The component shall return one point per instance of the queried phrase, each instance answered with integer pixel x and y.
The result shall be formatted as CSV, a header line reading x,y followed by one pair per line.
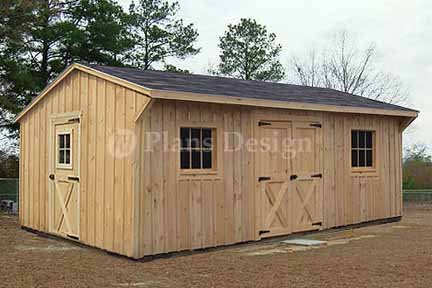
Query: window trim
x,y
370,169
57,159
216,169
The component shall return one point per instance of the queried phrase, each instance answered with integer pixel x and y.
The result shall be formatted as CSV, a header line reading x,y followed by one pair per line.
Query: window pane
x,y
185,159
362,139
362,158
61,141
184,136
195,137
67,157
61,157
354,139
369,161
206,138
196,159
67,142
207,159
369,139
354,158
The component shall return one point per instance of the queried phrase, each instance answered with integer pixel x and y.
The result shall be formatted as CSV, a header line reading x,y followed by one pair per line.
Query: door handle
x,y
264,179
73,178
51,176
317,176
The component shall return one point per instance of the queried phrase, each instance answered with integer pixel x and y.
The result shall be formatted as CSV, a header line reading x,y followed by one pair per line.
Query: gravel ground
x,y
389,255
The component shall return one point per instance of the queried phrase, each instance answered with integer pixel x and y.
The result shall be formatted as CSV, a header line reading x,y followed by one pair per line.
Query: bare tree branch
x,y
345,67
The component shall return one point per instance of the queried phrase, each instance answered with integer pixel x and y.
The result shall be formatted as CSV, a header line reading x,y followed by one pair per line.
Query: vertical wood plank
x,y
339,175
229,178
238,167
43,175
148,191
91,158
100,163
31,192
207,213
84,92
119,168
36,167
184,232
169,172
129,165
247,180
157,180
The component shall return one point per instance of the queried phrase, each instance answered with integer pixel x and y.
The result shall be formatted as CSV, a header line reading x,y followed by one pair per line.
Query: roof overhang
x,y
220,99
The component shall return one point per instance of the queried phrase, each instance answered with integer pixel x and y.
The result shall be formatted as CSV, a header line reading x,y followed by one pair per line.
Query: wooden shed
x,y
147,162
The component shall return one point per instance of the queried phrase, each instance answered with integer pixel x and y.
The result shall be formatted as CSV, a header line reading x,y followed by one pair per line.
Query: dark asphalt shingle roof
x,y
242,88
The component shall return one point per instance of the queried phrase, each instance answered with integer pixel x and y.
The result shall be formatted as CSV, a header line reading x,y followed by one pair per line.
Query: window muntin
x,y
196,150
64,150
362,149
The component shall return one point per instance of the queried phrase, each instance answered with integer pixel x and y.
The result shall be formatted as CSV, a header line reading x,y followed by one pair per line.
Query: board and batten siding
x,y
183,212
106,187
141,203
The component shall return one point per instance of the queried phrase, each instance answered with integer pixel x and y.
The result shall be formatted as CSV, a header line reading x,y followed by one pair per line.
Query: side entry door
x,y
64,179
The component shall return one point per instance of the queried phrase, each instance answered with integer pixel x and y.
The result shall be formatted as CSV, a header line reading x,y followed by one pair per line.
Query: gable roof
x,y
213,89
212,85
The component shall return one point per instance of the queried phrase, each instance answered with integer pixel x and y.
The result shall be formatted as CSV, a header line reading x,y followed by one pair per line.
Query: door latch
x,y
293,177
317,176
73,178
264,179
263,123
51,177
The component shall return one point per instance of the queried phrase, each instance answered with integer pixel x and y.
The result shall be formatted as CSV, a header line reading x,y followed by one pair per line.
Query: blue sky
x,y
401,30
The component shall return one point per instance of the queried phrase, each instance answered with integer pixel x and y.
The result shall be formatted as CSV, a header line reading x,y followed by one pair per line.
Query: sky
x,y
400,29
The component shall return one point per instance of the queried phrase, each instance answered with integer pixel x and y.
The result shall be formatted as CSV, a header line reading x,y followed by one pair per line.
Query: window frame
x,y
69,165
214,170
366,169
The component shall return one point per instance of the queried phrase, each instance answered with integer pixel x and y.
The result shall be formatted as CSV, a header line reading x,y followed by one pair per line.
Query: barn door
x,y
272,170
307,176
64,180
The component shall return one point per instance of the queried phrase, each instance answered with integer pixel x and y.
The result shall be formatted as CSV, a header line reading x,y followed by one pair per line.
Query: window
x,y
362,149
196,149
64,149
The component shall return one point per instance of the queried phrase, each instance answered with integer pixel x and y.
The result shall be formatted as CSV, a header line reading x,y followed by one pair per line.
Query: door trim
x,y
58,119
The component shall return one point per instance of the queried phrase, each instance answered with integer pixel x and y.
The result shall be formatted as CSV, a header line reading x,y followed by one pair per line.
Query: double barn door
x,y
289,177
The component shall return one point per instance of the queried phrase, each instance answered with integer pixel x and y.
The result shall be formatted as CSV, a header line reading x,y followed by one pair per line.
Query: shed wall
x,y
106,188
182,212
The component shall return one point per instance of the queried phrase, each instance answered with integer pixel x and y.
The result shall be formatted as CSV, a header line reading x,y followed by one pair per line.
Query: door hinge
x,y
317,224
263,123
264,179
263,232
293,177
317,125
73,178
74,120
317,176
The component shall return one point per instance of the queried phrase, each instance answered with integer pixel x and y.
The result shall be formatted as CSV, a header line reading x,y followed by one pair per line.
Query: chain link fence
x,y
9,194
417,195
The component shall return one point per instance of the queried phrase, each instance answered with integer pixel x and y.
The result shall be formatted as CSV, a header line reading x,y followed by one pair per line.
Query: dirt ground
x,y
389,255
